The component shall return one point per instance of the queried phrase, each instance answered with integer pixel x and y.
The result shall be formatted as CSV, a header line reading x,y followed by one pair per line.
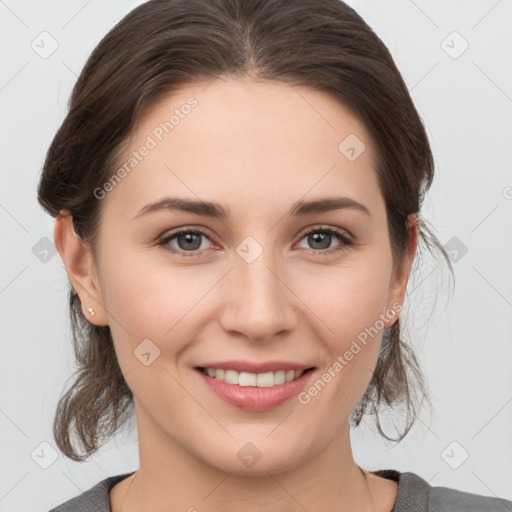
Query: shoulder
x,y
443,498
416,494
96,499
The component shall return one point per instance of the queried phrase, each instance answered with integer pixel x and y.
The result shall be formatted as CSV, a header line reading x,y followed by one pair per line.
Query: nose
x,y
257,301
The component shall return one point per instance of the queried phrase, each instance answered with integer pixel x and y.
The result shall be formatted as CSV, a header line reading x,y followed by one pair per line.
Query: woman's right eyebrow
x,y
216,210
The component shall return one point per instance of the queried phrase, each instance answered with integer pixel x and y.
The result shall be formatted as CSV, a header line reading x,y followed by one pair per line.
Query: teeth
x,y
260,380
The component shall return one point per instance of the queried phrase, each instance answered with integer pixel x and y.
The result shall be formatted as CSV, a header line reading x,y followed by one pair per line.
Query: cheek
x,y
152,319
348,306
147,297
148,300
348,300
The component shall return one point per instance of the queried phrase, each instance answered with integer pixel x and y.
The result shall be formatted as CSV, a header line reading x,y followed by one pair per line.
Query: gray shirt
x,y
414,495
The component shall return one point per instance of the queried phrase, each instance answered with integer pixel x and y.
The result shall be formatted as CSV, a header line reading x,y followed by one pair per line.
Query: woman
x,y
237,190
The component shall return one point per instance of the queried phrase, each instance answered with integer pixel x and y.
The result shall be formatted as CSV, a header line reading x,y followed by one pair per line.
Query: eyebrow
x,y
215,210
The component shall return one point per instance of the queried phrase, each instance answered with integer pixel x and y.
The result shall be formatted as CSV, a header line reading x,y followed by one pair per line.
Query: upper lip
x,y
251,367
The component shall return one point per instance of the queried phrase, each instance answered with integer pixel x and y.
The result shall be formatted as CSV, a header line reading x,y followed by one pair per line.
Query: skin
x,y
256,147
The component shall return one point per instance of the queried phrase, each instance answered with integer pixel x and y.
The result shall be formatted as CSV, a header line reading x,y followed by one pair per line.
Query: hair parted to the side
x,y
164,44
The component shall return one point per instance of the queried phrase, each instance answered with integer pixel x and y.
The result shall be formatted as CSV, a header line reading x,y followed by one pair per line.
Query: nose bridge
x,y
259,303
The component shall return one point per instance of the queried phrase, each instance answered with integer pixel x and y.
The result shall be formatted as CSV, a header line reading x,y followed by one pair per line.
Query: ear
x,y
78,261
400,278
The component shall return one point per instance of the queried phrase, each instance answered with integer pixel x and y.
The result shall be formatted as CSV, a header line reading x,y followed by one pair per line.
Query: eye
x,y
187,241
321,238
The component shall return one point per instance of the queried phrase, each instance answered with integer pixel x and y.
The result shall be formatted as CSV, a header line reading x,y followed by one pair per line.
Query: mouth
x,y
254,392
248,379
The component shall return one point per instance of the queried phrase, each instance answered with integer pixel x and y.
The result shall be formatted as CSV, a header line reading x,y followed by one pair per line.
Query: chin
x,y
252,459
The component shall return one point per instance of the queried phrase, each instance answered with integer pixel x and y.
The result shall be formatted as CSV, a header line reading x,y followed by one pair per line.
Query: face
x,y
269,280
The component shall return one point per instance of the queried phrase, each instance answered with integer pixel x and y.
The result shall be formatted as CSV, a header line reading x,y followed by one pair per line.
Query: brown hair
x,y
163,44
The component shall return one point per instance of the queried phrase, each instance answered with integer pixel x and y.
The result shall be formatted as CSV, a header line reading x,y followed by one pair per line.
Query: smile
x,y
255,392
260,380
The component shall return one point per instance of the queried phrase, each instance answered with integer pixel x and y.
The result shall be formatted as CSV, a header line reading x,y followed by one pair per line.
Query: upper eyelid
x,y
340,231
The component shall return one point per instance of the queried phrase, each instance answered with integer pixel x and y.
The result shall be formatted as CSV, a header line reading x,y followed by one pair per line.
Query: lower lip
x,y
253,398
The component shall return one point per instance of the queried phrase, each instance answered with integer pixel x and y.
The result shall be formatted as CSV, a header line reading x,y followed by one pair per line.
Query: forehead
x,y
243,140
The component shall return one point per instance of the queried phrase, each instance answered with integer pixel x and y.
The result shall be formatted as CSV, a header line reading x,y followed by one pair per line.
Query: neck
x,y
170,477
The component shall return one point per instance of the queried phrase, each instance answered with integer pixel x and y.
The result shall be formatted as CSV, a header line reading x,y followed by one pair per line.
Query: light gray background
x,y
464,346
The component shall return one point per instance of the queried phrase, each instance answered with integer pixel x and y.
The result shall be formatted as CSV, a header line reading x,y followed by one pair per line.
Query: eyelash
x,y
345,242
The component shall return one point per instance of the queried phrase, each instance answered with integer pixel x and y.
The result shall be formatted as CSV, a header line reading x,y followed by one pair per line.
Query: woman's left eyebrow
x,y
325,205
216,210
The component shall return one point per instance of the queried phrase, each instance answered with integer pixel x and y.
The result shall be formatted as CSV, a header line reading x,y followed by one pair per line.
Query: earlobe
x,y
78,261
